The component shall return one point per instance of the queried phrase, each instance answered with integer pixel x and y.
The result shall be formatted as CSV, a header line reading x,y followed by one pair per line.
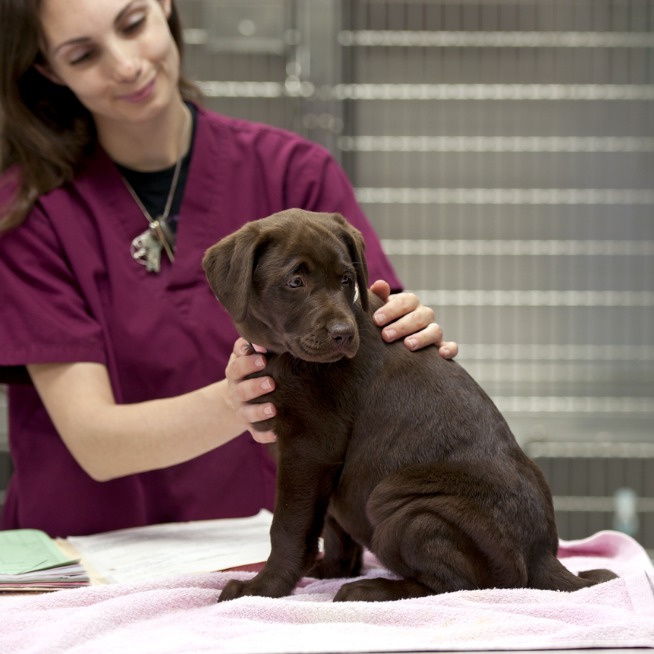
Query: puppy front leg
x,y
302,496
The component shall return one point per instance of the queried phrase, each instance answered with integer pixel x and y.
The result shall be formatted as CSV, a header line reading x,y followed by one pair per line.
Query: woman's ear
x,y
48,73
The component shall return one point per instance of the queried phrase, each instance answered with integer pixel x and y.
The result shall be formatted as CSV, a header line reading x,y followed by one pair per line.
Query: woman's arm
x,y
112,440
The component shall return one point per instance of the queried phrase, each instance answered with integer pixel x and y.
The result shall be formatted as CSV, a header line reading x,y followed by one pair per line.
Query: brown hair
x,y
44,129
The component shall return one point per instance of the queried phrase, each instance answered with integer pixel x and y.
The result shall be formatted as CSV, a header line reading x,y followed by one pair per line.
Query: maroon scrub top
x,y
70,291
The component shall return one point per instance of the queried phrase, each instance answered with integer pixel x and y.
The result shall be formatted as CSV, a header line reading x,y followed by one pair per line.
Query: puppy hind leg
x,y
441,526
419,545
426,559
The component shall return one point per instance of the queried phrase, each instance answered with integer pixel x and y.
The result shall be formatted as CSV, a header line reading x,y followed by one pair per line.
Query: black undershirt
x,y
153,187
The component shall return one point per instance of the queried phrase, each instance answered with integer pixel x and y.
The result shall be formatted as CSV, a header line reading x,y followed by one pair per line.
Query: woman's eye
x,y
295,282
135,24
80,57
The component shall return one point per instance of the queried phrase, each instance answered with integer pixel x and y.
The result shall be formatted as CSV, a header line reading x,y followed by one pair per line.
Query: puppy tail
x,y
551,574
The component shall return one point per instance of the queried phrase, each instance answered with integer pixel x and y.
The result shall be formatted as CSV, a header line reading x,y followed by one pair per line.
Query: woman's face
x,y
117,56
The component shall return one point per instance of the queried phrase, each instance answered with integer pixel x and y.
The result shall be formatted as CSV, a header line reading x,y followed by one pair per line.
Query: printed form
x,y
145,553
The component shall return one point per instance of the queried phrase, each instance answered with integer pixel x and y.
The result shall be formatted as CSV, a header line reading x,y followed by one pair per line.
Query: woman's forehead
x,y
69,20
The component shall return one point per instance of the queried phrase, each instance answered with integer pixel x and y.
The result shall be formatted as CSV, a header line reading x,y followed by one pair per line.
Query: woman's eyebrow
x,y
70,42
83,39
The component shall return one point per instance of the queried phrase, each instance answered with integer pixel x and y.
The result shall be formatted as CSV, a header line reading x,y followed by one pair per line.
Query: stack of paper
x,y
31,561
155,551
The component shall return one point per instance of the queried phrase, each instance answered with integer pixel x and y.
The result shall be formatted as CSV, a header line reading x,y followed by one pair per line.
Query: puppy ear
x,y
356,247
229,265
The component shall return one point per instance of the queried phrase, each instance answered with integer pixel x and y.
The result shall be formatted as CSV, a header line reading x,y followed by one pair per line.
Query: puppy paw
x,y
264,587
380,590
233,590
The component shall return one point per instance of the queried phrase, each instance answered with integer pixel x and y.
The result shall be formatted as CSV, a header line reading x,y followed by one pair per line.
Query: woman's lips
x,y
142,94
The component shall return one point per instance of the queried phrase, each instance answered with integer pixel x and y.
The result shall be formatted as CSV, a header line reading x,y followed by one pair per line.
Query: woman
x,y
114,184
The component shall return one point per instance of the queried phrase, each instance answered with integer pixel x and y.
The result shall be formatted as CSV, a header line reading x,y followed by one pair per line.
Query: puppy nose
x,y
341,332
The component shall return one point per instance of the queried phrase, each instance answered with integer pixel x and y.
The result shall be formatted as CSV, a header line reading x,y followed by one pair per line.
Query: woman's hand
x,y
404,317
244,362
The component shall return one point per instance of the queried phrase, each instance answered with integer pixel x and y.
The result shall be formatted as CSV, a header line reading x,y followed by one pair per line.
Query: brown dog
x,y
399,452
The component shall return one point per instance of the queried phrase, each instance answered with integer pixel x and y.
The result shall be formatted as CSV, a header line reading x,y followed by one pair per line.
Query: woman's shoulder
x,y
10,182
60,206
259,135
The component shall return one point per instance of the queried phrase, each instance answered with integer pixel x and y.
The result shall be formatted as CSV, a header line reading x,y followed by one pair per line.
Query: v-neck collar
x,y
204,191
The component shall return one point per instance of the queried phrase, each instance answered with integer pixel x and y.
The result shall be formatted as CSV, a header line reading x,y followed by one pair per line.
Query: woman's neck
x,y
150,146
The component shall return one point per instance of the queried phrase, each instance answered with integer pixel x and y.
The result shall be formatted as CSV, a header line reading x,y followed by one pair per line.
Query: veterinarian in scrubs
x,y
127,403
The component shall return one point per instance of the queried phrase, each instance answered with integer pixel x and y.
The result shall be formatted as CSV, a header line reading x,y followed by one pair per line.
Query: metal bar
x,y
568,144
490,39
558,352
581,405
536,298
503,248
499,196
590,450
574,92
598,504
511,92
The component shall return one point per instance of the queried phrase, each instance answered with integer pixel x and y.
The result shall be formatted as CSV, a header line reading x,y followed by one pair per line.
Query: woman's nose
x,y
125,63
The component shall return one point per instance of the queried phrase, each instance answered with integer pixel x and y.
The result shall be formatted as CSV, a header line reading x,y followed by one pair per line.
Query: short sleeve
x,y
44,315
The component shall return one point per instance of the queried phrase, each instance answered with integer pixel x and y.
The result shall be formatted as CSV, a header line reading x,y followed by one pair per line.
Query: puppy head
x,y
289,283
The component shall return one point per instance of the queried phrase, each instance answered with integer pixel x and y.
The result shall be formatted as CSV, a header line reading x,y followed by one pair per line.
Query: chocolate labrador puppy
x,y
400,452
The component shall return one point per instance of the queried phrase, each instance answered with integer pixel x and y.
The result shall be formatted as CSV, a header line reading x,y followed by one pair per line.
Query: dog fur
x,y
378,447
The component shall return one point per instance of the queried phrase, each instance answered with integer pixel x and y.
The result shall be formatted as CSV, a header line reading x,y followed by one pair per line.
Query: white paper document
x,y
144,553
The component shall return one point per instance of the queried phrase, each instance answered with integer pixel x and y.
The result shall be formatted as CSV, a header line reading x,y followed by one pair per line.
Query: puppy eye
x,y
295,282
347,280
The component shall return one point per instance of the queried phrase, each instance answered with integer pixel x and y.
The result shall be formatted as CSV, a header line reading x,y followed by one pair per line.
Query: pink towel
x,y
180,615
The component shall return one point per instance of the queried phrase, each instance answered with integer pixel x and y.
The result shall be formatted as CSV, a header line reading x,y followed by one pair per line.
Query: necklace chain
x,y
159,228
146,247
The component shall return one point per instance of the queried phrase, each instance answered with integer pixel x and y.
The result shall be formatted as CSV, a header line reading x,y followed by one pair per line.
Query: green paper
x,y
29,550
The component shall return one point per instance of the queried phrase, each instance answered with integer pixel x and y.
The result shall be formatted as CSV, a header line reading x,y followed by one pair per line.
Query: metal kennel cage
x,y
504,151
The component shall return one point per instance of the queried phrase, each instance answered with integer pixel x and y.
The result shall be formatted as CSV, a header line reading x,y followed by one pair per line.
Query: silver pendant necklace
x,y
146,247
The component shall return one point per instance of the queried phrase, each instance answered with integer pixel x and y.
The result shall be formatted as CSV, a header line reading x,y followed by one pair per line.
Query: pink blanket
x,y
181,615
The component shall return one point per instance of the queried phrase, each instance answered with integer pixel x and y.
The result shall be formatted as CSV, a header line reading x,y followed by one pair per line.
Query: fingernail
x,y
380,318
266,385
268,410
260,362
411,343
390,334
